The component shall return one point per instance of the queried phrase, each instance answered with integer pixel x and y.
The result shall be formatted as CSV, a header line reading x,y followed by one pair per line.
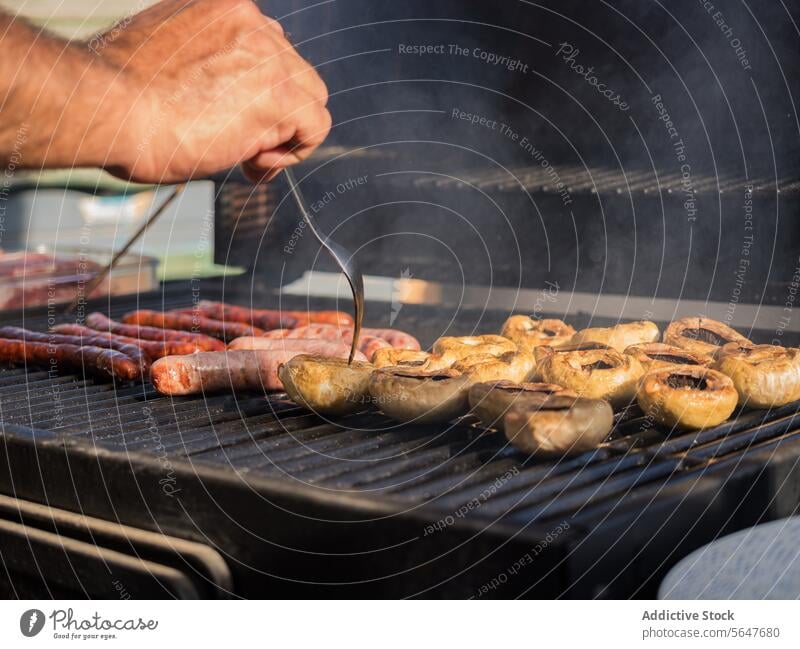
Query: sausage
x,y
267,319
316,331
368,345
316,347
190,322
396,338
134,352
99,322
220,371
93,361
154,349
335,318
261,318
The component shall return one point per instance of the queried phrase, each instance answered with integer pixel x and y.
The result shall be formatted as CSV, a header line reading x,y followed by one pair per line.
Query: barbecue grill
x,y
273,500
247,495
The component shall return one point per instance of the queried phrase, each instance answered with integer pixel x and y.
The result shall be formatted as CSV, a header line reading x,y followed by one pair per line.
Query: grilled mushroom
x,y
764,375
490,401
409,394
528,333
511,366
326,385
558,425
654,356
701,335
595,374
687,397
543,351
621,336
453,348
391,357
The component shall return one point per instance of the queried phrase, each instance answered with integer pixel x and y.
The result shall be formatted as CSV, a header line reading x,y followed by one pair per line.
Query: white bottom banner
x,y
392,624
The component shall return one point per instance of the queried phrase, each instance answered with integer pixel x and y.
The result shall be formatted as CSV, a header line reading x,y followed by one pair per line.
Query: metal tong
x,y
344,259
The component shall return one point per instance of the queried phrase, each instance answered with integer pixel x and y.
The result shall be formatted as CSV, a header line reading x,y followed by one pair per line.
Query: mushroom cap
x,y
453,348
510,366
620,336
543,351
409,394
595,374
687,396
489,401
325,385
764,376
391,357
654,356
528,333
558,425
701,335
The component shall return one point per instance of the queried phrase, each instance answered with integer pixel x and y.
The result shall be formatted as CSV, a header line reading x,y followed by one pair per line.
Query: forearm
x,y
59,105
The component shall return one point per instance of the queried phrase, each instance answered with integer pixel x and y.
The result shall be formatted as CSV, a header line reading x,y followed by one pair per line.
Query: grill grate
x,y
578,180
443,468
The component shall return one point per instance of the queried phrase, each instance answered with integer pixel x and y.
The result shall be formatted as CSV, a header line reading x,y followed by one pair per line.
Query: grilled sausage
x,y
197,324
316,331
335,318
368,345
133,352
219,371
395,338
329,348
154,349
261,318
93,361
101,323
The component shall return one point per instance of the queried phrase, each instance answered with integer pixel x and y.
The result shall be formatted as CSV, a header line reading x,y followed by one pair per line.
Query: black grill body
x,y
362,506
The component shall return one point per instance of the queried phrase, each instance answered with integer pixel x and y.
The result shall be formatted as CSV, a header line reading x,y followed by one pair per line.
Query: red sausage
x,y
186,322
267,318
99,322
221,371
396,338
261,318
368,345
317,331
305,345
93,361
152,348
335,318
95,340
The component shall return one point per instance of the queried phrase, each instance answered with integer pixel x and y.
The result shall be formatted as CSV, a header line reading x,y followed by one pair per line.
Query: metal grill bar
x,y
601,180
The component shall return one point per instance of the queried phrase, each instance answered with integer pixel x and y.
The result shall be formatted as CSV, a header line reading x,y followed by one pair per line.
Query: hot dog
x,y
95,340
334,349
94,361
220,371
225,330
154,349
101,323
